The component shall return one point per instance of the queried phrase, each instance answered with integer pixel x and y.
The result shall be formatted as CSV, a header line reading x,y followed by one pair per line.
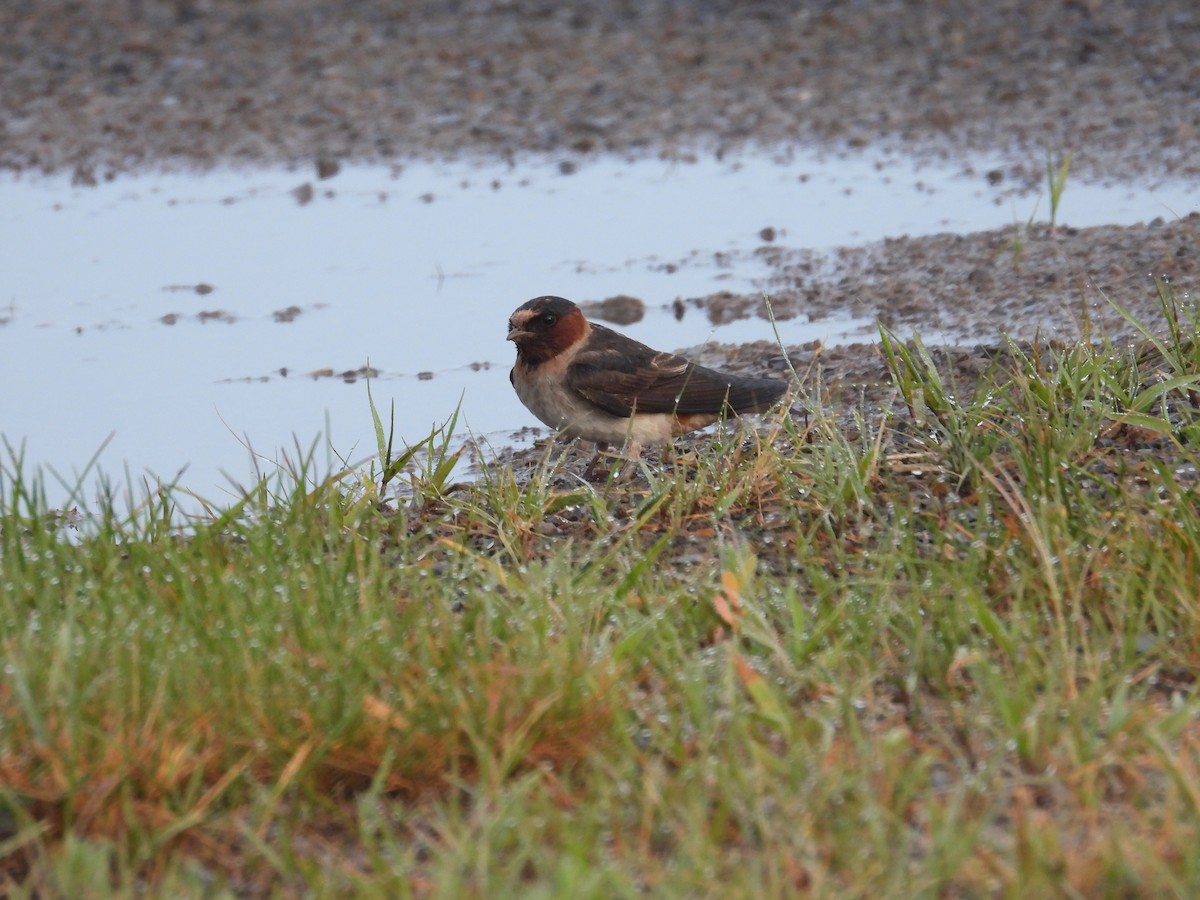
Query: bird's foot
x,y
596,471
608,466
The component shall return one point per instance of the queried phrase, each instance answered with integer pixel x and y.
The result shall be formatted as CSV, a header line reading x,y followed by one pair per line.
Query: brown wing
x,y
621,375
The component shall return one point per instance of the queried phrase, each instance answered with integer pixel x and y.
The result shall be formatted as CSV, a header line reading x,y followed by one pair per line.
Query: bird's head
x,y
545,327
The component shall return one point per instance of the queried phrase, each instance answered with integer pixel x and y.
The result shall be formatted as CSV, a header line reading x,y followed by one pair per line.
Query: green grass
x,y
943,649
1056,183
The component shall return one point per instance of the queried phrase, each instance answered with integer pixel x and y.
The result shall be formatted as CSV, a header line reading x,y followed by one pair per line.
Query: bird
x,y
587,381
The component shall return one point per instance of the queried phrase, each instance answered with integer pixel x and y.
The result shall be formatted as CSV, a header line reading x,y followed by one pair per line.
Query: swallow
x,y
587,381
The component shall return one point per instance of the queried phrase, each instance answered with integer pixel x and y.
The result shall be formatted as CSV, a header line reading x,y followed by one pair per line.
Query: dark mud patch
x,y
1019,281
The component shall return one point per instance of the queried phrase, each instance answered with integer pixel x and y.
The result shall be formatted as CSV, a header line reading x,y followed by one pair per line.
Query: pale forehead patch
x,y
520,317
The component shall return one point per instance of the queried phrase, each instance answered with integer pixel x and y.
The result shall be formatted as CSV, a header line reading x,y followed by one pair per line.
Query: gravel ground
x,y
106,86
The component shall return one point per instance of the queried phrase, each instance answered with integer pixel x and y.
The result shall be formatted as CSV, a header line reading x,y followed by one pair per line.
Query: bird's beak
x,y
515,333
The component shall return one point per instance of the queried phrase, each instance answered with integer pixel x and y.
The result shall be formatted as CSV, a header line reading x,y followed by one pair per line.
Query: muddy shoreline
x,y
106,87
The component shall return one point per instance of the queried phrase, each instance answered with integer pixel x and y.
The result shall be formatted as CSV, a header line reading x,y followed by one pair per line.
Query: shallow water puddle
x,y
184,313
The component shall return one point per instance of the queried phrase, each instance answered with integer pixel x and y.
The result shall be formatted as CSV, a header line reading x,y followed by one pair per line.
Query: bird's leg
x,y
627,462
630,456
593,472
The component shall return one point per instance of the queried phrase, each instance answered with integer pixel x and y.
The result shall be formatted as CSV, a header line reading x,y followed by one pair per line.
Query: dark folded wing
x,y
649,382
705,389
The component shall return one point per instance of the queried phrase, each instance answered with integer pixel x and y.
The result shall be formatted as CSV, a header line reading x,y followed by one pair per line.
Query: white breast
x,y
573,416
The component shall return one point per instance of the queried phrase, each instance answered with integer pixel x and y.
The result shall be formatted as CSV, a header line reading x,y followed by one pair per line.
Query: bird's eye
x,y
549,319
